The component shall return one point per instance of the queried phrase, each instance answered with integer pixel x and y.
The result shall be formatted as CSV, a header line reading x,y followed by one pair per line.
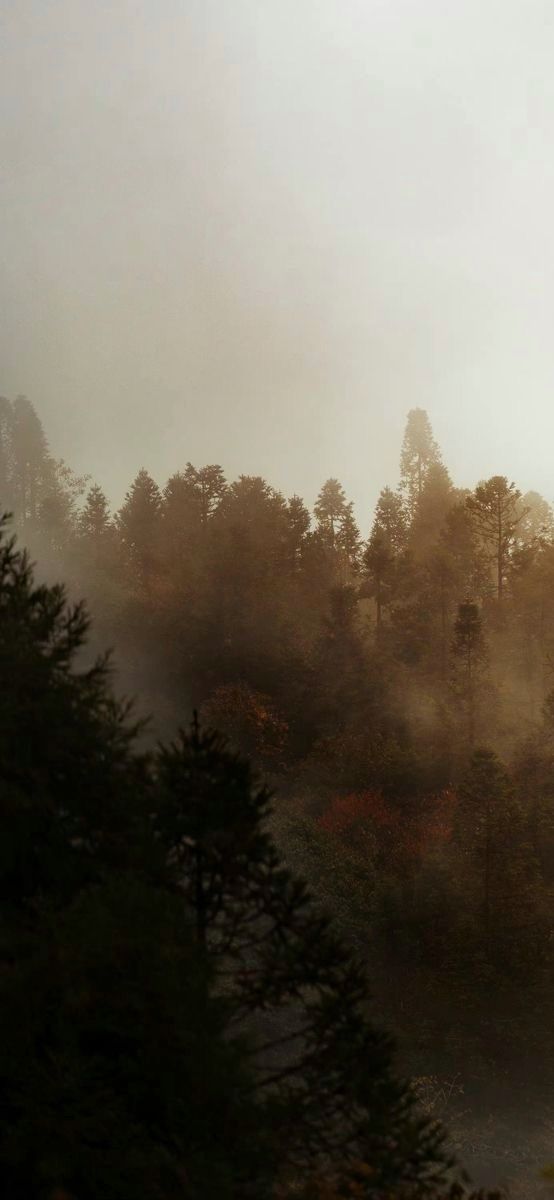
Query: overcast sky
x,y
257,232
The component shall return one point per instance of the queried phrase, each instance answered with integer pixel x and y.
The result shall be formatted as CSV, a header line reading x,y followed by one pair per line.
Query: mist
x,y
275,426
235,232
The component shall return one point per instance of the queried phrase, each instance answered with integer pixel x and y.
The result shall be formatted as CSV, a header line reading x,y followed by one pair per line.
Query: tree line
x,y
396,689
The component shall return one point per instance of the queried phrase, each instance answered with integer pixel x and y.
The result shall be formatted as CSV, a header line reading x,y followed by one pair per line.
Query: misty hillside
x,y
395,687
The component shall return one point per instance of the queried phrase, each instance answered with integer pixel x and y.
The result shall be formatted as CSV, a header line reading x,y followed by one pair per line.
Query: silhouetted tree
x,y
138,523
496,513
419,453
321,1067
434,502
94,520
386,543
176,1014
298,526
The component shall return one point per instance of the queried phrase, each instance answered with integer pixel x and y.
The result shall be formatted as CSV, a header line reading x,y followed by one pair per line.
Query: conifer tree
x,y
177,1016
441,579
469,660
32,465
386,543
118,1068
435,501
180,518
6,455
299,522
252,528
58,515
348,539
535,527
498,862
330,510
419,453
496,513
319,1065
138,522
211,487
95,520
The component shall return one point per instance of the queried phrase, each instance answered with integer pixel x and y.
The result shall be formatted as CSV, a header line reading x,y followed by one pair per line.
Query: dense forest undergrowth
x,y
397,693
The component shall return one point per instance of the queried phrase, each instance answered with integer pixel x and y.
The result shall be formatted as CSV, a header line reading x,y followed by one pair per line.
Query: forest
x,y
384,705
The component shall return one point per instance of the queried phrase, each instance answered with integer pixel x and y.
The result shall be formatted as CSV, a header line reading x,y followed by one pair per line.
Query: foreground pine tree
x,y
119,1077
177,1021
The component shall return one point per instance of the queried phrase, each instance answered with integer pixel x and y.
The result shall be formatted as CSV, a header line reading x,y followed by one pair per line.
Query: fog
x,y
309,241
257,233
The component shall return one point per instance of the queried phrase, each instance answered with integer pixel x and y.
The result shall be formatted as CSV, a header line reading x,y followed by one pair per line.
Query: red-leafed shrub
x,y
400,834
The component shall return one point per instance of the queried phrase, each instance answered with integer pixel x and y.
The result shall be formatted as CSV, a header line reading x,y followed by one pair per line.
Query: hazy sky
x,y
257,232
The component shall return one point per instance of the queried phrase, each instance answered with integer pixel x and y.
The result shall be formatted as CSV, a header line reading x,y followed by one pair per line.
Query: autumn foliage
x,y
366,820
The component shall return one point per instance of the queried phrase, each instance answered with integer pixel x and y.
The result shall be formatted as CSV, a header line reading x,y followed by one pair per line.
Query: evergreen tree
x,y
211,488
435,500
348,539
180,519
118,1069
336,531
535,526
298,527
498,863
193,496
32,465
459,541
419,453
496,513
6,455
138,523
441,580
119,1073
469,660
58,517
177,1017
386,544
321,1068
94,520
330,510
252,528
66,775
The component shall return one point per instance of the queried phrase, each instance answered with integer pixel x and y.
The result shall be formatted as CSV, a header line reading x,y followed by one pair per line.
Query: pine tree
x,y
211,487
180,520
419,453
252,526
58,518
469,661
298,519
64,744
118,1066
435,501
496,513
348,539
138,523
441,581
6,455
535,526
330,511
321,1067
94,520
499,864
176,1014
32,464
386,543
337,531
